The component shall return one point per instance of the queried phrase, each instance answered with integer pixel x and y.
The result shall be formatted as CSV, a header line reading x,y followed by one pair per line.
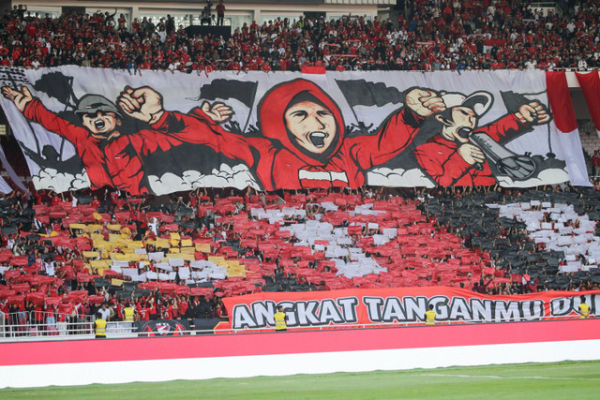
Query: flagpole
x,y
251,107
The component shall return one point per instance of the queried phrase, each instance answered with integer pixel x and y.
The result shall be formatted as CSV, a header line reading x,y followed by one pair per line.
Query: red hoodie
x,y
279,163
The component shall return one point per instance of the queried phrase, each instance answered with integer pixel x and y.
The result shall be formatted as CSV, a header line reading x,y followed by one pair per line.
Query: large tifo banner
x,y
164,132
400,306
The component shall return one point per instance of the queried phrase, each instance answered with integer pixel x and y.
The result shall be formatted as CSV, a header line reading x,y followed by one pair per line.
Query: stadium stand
x,y
427,35
589,140
177,256
63,257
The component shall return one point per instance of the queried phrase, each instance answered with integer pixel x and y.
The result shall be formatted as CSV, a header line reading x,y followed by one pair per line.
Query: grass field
x,y
566,380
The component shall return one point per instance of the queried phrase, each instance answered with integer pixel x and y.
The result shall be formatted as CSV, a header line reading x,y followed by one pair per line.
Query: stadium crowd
x,y
427,35
64,257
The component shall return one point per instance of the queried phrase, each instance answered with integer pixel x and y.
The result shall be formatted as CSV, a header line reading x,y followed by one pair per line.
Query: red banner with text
x,y
401,306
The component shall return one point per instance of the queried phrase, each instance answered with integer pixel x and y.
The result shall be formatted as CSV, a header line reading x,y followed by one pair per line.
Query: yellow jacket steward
x,y
100,327
584,310
128,314
280,321
430,317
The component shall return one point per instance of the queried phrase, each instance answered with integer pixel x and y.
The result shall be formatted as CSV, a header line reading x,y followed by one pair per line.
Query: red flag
x,y
560,101
590,85
313,69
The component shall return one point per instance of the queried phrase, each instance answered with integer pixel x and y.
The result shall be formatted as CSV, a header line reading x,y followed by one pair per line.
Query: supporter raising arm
x,y
19,98
145,104
110,156
199,126
303,143
450,158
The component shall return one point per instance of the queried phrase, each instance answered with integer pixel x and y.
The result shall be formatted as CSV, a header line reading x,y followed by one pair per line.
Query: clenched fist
x,y
533,113
143,103
424,102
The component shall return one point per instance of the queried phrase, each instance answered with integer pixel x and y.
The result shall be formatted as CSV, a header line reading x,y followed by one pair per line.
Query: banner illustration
x,y
171,132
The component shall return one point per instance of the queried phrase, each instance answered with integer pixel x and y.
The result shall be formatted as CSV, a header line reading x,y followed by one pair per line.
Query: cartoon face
x,y
102,123
463,119
312,126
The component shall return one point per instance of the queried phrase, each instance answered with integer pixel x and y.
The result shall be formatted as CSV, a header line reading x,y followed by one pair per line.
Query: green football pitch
x,y
567,380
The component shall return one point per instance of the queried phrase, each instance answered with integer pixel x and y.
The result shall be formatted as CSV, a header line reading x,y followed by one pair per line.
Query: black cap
x,y
92,103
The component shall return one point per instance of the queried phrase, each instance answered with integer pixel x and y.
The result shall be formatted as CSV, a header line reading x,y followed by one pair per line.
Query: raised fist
x,y
533,113
425,102
143,103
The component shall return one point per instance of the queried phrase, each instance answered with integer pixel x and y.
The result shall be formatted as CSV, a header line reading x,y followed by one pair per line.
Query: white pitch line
x,y
545,378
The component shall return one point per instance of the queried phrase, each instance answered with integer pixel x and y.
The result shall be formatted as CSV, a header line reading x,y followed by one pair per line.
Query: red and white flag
x,y
590,85
563,113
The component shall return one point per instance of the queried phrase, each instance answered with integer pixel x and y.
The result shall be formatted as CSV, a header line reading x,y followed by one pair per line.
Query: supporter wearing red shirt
x,y
448,157
152,309
143,313
172,310
596,163
96,144
265,67
183,306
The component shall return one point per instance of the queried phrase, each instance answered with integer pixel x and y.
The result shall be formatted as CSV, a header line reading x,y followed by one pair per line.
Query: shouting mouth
x,y
99,124
318,139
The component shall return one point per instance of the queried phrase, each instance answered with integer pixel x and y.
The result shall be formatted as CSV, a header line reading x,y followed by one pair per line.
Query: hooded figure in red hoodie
x,y
303,143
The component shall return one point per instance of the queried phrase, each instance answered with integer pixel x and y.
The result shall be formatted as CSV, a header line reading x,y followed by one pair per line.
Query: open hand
x,y
218,112
21,99
471,153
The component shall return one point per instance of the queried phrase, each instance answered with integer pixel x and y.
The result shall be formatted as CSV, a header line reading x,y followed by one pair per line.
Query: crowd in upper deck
x,y
427,35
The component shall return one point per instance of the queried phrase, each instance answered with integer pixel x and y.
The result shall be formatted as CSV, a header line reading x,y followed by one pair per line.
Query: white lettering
x,y
330,313
329,176
393,310
348,305
459,309
373,308
242,318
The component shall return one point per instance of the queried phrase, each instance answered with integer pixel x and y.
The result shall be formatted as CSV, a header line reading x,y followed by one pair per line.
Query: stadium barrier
x,y
35,324
163,328
82,362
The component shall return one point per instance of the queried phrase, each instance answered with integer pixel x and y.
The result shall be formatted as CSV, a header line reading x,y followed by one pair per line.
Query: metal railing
x,y
120,329
38,324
